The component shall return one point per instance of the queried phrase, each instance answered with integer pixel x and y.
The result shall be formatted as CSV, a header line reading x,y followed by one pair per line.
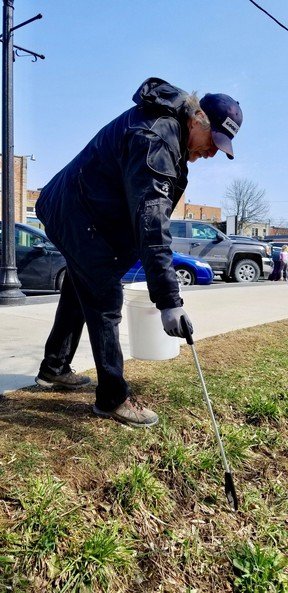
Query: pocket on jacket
x,y
156,214
162,159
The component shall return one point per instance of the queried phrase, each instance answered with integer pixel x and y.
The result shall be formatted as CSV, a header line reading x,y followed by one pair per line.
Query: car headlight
x,y
203,264
268,250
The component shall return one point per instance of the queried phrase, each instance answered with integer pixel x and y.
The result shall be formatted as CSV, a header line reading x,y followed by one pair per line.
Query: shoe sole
x,y
54,385
102,414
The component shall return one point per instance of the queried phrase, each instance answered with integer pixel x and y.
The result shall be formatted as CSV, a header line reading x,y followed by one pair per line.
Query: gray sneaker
x,y
130,412
66,381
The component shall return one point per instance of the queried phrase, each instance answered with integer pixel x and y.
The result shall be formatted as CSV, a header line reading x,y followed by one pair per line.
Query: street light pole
x,y
10,292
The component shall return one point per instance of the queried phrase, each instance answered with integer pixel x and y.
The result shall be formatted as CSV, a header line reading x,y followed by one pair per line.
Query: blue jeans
x,y
102,314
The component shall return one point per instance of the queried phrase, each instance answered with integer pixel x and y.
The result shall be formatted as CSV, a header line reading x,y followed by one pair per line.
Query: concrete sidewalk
x,y
213,310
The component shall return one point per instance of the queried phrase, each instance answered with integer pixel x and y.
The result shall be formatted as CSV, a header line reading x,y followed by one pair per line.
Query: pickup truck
x,y
238,260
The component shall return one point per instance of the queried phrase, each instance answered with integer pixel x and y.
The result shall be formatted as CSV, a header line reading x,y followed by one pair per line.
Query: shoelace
x,y
135,403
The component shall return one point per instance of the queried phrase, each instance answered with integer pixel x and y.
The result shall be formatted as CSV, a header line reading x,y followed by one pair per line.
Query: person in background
x,y
110,206
275,274
283,262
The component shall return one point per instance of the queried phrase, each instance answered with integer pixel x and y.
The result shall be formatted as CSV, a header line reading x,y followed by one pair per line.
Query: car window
x,y
177,229
26,239
203,231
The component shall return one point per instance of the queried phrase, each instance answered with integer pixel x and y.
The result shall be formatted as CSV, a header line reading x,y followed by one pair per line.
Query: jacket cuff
x,y
169,303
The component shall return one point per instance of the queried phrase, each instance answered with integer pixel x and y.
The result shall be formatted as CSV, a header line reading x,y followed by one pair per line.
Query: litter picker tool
x,y
229,484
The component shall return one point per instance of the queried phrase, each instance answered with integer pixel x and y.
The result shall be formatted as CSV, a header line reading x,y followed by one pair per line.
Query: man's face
x,y
200,143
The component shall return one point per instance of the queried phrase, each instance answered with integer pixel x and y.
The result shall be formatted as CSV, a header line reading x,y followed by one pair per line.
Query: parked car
x,y
39,263
241,260
189,270
41,266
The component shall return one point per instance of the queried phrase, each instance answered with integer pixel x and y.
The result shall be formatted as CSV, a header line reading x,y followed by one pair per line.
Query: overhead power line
x,y
268,14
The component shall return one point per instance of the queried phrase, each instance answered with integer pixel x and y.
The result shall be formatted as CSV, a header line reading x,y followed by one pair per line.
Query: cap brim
x,y
223,143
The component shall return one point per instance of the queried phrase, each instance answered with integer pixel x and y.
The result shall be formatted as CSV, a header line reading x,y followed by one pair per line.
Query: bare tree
x,y
244,200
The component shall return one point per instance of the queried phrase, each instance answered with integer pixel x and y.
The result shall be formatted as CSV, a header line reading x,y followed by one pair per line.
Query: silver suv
x,y
240,260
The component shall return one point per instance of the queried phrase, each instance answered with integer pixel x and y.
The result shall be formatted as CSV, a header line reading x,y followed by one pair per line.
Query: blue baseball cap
x,y
225,116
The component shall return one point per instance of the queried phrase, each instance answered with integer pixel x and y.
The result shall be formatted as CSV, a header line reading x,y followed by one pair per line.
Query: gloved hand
x,y
171,321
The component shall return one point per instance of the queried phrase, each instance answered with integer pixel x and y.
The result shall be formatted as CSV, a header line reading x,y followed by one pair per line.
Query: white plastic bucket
x,y
147,338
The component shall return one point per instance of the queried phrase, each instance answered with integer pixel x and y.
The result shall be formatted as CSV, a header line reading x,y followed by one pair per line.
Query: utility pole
x,y
10,293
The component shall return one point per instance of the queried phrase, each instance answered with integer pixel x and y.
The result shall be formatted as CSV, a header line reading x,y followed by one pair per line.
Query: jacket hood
x,y
158,92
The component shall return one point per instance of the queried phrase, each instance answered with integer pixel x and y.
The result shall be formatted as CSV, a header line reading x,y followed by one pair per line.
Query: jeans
x,y
283,270
102,314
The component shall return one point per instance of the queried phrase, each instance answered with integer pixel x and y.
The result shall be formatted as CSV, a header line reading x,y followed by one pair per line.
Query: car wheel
x,y
185,276
60,279
246,270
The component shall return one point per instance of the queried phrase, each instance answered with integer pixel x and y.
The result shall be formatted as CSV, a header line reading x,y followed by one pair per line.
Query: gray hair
x,y
192,109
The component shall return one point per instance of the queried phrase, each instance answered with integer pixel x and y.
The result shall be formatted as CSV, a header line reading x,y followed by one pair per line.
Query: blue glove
x,y
171,321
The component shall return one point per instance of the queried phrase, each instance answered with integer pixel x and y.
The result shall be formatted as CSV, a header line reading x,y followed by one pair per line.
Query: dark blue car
x,y
40,266
189,270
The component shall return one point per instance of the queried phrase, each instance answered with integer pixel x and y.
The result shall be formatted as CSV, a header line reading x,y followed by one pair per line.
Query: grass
x,y
99,559
91,506
138,486
260,570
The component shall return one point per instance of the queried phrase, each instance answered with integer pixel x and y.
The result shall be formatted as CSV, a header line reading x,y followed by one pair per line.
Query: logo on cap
x,y
230,125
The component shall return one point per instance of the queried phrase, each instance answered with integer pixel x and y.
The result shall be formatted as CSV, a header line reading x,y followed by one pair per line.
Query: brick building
x,y
278,230
24,199
203,212
20,187
179,211
32,197
196,211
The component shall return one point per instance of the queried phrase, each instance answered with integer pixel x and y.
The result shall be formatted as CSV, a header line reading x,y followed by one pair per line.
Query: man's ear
x,y
199,114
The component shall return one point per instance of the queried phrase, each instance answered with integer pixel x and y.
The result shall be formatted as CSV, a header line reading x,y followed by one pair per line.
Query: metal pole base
x,y
10,293
12,296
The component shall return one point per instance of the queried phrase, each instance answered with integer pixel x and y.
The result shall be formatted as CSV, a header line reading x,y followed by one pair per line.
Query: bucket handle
x,y
136,273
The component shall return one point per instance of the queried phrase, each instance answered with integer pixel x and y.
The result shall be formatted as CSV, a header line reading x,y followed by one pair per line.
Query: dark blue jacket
x,y
112,203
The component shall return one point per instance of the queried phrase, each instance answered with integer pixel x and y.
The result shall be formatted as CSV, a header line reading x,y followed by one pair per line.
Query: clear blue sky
x,y
99,51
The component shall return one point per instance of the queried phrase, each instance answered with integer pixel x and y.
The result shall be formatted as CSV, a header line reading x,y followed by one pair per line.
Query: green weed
x,y
238,442
259,570
267,437
103,557
260,407
42,518
137,486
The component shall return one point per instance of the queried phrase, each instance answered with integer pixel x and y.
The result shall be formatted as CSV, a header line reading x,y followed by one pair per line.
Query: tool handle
x,y
186,331
230,491
229,484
